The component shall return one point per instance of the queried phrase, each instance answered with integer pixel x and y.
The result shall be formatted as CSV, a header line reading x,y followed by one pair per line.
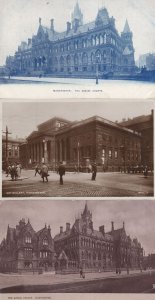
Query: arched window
x,y
28,239
76,60
98,56
61,61
105,38
68,60
84,59
92,58
45,241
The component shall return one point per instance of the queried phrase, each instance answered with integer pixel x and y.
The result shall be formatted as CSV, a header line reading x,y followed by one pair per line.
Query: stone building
x,y
110,145
81,50
81,246
78,246
144,125
10,150
25,250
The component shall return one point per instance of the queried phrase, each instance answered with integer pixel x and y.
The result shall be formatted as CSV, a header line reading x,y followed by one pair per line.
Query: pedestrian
x,y
36,170
94,171
44,172
61,171
145,171
18,170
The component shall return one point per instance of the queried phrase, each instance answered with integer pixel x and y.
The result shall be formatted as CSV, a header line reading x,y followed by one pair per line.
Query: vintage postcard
x,y
78,45
78,149
77,247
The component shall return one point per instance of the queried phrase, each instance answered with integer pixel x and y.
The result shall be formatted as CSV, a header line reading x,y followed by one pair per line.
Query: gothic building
x,y
111,145
81,50
81,246
78,246
24,249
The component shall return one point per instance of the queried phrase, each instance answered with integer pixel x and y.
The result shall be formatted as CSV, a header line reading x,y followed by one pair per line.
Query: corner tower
x,y
128,60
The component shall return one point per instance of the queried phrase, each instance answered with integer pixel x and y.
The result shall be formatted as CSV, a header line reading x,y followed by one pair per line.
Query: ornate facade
x,y
81,50
81,246
25,250
112,146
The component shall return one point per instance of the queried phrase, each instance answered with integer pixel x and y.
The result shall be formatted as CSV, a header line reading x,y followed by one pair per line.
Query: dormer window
x,y
45,242
28,239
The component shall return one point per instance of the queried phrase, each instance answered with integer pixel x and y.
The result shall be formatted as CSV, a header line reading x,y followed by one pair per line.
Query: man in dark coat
x,y
94,171
44,172
61,172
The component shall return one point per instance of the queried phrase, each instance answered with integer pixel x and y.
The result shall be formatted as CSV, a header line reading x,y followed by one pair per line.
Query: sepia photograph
x,y
51,41
77,149
77,246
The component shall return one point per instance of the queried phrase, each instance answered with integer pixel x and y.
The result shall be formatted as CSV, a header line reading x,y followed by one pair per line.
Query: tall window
x,y
45,241
28,239
110,153
116,154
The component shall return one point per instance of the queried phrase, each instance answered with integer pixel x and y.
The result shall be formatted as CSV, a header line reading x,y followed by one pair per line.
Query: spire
x,y
126,27
86,208
77,15
39,21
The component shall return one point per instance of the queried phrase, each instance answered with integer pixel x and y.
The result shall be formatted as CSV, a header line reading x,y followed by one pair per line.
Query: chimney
x,y
76,24
52,24
49,229
101,229
29,42
112,226
61,229
68,26
123,225
67,226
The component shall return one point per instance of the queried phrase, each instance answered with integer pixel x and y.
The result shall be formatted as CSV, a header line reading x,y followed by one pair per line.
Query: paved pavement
x,y
78,185
7,280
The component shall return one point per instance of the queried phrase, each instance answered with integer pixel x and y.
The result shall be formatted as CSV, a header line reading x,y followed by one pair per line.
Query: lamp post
x,y
97,63
78,156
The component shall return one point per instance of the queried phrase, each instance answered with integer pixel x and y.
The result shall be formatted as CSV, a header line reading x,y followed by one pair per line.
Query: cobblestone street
x,y
78,185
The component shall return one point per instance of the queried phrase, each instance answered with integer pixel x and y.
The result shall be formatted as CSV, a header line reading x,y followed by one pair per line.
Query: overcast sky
x,y
19,20
138,216
23,118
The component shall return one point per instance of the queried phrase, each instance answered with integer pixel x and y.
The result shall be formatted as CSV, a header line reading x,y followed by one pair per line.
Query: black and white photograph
x,y
77,246
77,41
77,149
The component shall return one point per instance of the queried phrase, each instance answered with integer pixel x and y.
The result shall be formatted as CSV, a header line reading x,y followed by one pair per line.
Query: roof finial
x,y
39,21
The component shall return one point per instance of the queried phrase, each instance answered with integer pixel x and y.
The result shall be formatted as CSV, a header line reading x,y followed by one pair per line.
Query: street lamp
x,y
78,156
97,66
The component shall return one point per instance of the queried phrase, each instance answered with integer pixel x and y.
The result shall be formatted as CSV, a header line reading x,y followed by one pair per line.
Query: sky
x,y
19,20
23,118
138,216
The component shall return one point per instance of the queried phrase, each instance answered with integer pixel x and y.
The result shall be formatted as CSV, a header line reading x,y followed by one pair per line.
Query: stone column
x,y
45,152
61,150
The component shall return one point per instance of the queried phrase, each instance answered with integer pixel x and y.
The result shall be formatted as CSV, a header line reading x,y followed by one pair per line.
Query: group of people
x,y
14,170
43,172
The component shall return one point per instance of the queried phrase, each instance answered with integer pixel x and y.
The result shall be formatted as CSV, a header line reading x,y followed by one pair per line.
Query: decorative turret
x,y
77,17
128,50
102,17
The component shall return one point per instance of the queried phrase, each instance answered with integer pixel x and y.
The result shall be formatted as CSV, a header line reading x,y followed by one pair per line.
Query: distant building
x,y
110,145
81,50
81,246
10,150
148,61
144,125
25,250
